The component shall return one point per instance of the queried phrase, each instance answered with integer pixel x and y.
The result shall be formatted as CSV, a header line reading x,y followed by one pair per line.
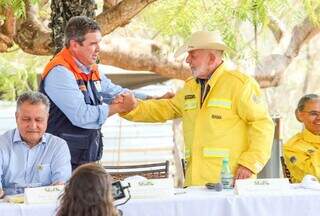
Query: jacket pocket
x,y
212,163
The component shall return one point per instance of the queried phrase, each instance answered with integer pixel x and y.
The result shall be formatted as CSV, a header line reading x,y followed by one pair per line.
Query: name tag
x,y
216,116
98,85
189,97
48,194
262,186
151,188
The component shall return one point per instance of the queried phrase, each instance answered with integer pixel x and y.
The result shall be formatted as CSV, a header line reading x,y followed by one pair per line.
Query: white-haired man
x,y
29,157
222,111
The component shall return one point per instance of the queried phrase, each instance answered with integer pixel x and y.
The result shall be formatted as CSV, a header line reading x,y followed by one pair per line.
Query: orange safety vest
x,y
64,58
85,145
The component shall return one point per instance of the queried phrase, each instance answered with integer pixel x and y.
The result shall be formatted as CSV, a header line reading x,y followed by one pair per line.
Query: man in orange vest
x,y
80,97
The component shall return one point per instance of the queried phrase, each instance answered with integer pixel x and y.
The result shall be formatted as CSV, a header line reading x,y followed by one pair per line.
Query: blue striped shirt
x,y
21,166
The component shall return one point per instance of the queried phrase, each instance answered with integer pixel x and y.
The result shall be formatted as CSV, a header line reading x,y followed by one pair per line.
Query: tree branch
x,y
7,29
270,71
147,57
32,37
107,4
302,33
276,28
121,14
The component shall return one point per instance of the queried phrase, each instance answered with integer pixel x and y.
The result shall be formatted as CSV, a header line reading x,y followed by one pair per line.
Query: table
x,y
202,202
8,209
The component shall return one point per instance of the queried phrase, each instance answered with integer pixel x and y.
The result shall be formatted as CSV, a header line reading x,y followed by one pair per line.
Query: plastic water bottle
x,y
226,175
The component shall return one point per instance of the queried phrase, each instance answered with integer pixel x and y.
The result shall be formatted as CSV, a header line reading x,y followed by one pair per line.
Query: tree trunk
x,y
62,11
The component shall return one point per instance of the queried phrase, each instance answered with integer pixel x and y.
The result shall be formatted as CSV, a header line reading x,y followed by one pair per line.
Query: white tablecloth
x,y
8,209
201,202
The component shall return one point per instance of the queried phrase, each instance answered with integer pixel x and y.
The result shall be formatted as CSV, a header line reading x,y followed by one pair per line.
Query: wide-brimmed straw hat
x,y
203,40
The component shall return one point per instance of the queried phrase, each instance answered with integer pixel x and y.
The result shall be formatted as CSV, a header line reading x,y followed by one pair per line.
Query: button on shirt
x,y
41,165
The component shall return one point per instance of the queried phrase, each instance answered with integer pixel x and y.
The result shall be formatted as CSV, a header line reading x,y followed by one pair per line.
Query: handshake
x,y
124,102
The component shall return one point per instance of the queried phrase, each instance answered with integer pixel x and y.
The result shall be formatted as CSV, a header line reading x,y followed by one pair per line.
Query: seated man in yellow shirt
x,y
302,151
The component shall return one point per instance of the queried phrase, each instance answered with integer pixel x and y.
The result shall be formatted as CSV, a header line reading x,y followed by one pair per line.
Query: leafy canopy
x,y
182,17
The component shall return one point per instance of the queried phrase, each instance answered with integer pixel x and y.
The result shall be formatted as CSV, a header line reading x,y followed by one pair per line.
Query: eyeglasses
x,y
312,113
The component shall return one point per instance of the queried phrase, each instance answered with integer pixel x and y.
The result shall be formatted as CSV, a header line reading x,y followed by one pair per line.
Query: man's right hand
x,y
125,103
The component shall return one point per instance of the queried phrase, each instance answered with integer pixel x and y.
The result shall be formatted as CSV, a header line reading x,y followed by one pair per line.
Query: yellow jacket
x,y
233,121
302,155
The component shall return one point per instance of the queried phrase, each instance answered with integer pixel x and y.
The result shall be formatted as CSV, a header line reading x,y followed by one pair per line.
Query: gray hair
x,y
33,97
302,102
77,27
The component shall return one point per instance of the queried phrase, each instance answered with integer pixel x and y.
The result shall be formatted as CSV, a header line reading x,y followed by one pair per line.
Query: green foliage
x,y
17,77
313,9
182,17
17,5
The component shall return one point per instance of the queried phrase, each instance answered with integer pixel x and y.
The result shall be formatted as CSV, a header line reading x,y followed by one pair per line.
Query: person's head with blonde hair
x,y
88,193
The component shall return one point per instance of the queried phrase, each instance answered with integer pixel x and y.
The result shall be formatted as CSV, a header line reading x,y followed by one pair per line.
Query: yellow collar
x,y
310,137
216,75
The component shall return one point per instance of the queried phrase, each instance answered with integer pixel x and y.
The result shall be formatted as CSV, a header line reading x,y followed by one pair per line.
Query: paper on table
x,y
48,194
261,186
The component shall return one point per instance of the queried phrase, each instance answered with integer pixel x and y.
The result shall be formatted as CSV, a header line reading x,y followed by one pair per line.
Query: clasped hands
x,y
124,102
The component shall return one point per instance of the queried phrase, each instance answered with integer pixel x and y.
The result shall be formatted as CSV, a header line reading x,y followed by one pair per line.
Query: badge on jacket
x,y
39,167
189,97
97,84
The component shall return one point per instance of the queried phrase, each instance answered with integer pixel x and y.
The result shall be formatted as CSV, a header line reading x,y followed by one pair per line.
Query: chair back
x,y
149,171
285,170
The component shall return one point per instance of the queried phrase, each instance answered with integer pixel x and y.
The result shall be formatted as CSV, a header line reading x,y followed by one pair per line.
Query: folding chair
x,y
149,171
285,171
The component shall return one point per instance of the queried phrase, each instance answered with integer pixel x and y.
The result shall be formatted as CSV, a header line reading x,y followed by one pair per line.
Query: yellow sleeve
x,y
253,110
301,159
157,110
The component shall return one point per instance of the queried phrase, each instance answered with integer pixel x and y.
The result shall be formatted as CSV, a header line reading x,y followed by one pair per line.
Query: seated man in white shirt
x,y
29,157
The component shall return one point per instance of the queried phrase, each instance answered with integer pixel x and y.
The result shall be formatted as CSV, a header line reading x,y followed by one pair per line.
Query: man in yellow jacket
x,y
223,115
302,151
